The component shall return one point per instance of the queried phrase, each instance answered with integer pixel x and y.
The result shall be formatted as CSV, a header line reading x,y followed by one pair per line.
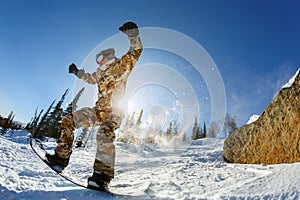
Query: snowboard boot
x,y
99,182
57,163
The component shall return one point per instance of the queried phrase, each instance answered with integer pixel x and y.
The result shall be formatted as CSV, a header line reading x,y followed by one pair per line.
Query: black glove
x,y
130,29
73,69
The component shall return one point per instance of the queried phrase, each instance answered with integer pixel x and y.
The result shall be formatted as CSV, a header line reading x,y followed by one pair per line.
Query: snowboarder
x,y
110,77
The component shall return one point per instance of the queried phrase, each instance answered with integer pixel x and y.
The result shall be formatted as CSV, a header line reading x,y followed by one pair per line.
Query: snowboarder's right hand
x,y
130,29
73,69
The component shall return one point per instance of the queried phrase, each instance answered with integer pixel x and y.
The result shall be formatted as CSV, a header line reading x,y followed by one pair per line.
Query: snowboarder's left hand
x,y
73,69
130,29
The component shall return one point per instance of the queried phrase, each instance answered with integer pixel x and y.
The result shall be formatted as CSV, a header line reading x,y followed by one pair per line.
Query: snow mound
x,y
291,81
253,118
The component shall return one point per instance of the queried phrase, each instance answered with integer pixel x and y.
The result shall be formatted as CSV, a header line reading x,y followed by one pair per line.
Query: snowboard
x,y
69,173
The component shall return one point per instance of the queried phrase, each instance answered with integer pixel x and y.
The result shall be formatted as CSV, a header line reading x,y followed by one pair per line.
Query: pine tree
x,y
139,121
149,136
2,119
195,134
7,123
176,130
169,131
33,125
151,131
213,130
204,134
184,137
131,120
200,132
229,125
125,135
30,123
42,125
73,105
69,110
10,119
54,125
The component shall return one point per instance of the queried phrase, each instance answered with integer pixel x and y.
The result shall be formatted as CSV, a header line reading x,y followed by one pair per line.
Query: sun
x,y
159,105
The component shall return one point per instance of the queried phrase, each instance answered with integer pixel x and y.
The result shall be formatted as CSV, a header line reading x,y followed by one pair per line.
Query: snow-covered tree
x,y
184,137
229,125
196,131
169,131
214,130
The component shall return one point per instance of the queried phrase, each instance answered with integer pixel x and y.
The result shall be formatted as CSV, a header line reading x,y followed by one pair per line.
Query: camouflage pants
x,y
87,117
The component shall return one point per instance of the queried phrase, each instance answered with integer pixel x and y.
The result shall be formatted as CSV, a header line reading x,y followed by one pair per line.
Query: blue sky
x,y
255,45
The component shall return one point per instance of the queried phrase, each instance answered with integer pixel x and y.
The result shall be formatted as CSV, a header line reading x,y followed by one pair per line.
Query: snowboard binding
x,y
56,163
99,182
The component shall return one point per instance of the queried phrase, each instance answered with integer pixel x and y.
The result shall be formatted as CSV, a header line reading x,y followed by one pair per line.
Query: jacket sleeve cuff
x,y
80,73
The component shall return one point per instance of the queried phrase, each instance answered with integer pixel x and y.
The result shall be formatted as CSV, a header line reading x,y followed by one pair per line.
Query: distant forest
x,y
48,124
8,122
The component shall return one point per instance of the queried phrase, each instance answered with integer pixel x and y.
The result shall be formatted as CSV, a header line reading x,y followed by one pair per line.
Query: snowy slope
x,y
194,171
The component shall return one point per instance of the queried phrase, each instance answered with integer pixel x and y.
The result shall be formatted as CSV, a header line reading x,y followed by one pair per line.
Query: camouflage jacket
x,y
112,81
